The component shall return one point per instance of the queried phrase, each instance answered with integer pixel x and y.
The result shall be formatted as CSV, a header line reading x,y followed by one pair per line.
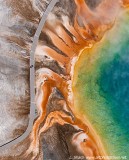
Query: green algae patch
x,y
102,87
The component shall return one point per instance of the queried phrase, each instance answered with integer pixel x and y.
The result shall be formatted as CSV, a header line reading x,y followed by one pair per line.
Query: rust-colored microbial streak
x,y
88,28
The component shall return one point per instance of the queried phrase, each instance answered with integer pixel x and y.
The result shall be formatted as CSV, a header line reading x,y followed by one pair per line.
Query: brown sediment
x,y
94,25
93,141
52,53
